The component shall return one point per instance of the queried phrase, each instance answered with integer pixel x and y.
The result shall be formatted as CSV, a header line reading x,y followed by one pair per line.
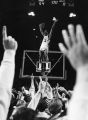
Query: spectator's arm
x,y
32,87
7,69
34,102
77,53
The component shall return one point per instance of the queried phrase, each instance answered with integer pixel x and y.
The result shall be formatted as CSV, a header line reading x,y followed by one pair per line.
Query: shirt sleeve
x,y
6,81
78,106
34,102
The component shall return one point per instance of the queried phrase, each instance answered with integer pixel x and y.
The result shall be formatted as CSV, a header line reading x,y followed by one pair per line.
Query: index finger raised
x,y
4,32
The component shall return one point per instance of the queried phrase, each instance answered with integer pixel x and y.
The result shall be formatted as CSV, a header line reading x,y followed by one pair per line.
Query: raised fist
x,y
9,43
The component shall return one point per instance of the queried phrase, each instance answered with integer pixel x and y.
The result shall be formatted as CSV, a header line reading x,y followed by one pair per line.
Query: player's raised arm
x,y
52,28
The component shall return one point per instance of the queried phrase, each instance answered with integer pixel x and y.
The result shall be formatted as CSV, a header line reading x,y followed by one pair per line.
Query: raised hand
x,y
32,76
48,91
76,48
9,43
55,20
42,85
42,25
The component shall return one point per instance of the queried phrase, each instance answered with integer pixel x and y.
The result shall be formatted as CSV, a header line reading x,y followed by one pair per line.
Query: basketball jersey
x,y
44,44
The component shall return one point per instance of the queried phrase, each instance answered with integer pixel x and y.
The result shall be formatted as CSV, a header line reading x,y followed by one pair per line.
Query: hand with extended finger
x,y
77,48
9,43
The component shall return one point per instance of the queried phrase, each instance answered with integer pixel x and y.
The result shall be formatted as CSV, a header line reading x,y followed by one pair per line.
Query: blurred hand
x,y
42,85
48,91
77,48
56,20
63,89
42,25
9,43
32,76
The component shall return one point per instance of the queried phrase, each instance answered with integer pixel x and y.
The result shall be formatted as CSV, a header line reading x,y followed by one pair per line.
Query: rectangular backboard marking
x,y
31,57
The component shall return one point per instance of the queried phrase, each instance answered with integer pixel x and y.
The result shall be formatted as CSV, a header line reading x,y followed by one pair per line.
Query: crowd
x,y
47,103
46,100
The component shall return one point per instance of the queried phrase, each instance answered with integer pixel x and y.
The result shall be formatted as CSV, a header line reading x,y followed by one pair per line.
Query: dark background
x,y
14,14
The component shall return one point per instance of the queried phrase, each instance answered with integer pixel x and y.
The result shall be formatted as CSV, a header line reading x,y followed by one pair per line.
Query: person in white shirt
x,y
76,51
7,70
